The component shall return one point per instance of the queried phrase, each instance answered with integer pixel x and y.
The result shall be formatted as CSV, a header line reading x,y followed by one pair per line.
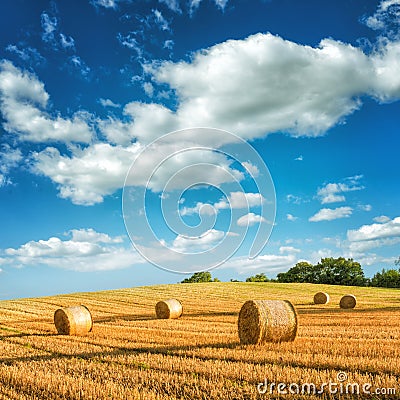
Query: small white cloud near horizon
x,y
86,250
267,263
329,214
289,249
205,242
236,200
250,219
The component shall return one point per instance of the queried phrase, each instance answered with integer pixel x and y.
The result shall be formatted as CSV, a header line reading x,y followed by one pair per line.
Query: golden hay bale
x,y
267,321
348,301
170,308
321,298
75,320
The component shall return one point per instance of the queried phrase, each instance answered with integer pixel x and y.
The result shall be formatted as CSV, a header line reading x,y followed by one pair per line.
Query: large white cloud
x,y
84,250
384,230
266,84
251,87
23,100
89,174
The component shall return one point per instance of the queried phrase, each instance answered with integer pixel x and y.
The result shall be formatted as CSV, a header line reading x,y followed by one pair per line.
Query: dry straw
x,y
321,298
267,321
170,308
348,301
75,320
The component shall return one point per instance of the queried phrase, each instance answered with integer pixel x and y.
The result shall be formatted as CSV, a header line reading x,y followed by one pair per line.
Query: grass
x,y
132,355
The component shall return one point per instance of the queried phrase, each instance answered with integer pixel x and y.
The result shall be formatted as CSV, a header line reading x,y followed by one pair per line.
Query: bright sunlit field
x,y
132,355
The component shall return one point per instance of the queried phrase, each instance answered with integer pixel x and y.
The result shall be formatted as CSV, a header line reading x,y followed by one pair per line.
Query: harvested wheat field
x,y
130,354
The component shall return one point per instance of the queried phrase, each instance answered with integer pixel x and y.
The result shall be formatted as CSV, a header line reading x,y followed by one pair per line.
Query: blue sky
x,y
88,87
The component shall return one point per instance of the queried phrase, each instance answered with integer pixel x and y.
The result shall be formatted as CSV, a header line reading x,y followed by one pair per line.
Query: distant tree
x,y
397,262
199,277
339,271
235,280
258,278
301,272
333,271
387,278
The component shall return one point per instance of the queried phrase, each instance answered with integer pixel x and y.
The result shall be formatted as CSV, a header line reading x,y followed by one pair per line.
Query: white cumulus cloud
x,y
23,103
205,242
85,250
333,192
383,230
329,214
250,219
289,87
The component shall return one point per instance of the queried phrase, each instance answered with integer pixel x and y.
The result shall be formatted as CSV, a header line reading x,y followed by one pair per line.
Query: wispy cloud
x,y
291,217
161,22
27,54
9,158
49,26
291,198
173,5
105,3
108,103
333,192
386,18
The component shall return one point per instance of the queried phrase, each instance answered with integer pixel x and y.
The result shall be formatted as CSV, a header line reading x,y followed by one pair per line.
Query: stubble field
x,y
131,355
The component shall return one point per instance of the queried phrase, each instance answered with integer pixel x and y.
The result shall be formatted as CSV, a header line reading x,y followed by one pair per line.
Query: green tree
x,y
387,278
333,271
301,272
199,277
258,278
339,271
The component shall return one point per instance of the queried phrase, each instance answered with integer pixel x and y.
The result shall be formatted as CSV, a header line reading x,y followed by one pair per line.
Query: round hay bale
x,y
267,321
75,320
348,301
321,298
170,308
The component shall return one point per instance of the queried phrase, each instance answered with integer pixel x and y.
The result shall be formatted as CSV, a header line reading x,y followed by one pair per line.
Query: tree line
x,y
331,271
